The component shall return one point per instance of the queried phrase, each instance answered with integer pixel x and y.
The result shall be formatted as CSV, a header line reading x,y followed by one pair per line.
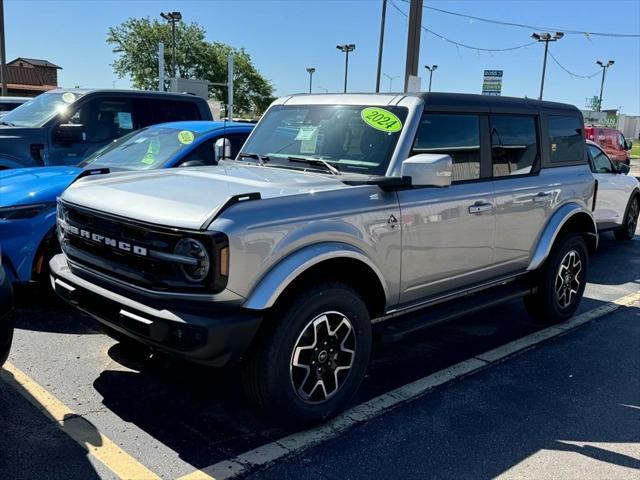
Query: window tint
x,y
104,119
514,146
454,135
565,139
174,111
600,162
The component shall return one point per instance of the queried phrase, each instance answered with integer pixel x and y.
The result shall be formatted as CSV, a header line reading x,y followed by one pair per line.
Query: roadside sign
x,y
492,82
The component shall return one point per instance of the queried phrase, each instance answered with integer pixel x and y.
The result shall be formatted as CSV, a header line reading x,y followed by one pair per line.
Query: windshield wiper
x,y
8,124
262,159
317,161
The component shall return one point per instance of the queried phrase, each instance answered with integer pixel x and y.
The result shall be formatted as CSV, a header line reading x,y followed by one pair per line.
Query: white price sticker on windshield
x,y
308,136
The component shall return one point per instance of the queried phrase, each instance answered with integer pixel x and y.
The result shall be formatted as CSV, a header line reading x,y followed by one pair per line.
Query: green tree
x,y
135,41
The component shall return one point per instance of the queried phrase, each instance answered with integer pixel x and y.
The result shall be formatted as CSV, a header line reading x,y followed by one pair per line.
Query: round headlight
x,y
197,270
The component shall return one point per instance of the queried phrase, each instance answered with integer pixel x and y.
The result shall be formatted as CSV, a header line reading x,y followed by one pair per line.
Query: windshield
x,y
144,149
354,139
36,112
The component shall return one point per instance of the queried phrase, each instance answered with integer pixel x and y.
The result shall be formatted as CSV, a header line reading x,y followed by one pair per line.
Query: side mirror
x,y
428,170
623,169
628,145
192,163
222,149
68,133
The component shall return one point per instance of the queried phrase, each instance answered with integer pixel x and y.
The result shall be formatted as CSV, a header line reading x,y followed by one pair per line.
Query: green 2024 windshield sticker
x,y
381,119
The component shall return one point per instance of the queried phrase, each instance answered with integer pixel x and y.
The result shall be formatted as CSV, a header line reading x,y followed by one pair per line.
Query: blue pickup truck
x,y
28,195
63,126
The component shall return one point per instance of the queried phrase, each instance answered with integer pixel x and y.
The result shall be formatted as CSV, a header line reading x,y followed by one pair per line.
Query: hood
x,y
15,145
24,186
186,197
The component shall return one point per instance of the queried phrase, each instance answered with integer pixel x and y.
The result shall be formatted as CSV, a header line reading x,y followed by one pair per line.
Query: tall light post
x,y
346,48
431,69
3,59
310,71
546,38
390,78
172,18
604,67
381,44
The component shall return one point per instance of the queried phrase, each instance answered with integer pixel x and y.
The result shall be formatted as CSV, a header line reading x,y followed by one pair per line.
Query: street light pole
x,y
311,71
172,18
346,48
3,58
546,38
391,80
381,44
431,69
604,67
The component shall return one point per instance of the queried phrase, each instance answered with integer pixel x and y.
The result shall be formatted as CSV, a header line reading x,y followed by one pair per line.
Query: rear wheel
x,y
561,281
311,358
630,223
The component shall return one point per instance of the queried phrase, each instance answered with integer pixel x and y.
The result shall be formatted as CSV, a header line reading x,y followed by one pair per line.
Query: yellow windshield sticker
x,y
152,150
381,119
185,137
68,97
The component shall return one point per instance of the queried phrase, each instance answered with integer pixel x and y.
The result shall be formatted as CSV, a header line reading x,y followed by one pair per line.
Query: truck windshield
x,y
145,149
353,138
36,112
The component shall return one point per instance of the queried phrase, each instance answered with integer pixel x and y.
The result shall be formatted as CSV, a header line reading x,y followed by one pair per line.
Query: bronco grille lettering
x,y
106,241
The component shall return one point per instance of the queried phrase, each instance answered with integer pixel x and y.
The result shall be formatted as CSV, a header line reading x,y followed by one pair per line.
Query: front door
x,y
447,233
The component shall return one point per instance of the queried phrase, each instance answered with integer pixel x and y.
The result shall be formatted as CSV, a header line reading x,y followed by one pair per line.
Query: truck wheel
x,y
561,281
312,356
630,223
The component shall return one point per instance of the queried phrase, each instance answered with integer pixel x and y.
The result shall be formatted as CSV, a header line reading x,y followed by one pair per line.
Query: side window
x,y
601,163
174,111
454,135
104,119
565,139
514,144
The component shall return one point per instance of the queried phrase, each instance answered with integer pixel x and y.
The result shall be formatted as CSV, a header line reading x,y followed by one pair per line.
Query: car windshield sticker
x,y
68,97
185,137
381,119
152,150
125,121
308,136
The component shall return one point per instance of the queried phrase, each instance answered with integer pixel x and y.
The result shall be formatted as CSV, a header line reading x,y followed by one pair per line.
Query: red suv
x,y
612,142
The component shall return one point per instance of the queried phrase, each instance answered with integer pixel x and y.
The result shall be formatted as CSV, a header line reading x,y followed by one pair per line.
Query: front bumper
x,y
6,319
205,334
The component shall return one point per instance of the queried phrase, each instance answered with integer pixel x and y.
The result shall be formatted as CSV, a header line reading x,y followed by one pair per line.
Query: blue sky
x,y
285,36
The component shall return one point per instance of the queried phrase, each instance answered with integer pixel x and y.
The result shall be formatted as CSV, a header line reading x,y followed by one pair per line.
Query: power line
x,y
463,45
569,72
532,27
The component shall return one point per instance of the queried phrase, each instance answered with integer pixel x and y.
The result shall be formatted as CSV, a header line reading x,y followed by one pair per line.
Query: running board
x,y
400,327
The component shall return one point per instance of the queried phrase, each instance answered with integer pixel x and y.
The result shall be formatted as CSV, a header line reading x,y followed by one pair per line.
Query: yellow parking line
x,y
77,427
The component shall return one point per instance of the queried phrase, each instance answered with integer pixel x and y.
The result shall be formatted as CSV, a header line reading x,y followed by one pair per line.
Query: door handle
x,y
480,207
542,197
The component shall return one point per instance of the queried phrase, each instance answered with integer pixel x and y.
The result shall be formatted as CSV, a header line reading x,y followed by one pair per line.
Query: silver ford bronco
x,y
342,213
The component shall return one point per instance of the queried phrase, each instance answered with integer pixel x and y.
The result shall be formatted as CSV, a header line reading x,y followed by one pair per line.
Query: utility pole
x,y
390,78
546,38
413,41
346,48
381,44
431,69
172,18
3,56
230,87
160,67
310,71
604,67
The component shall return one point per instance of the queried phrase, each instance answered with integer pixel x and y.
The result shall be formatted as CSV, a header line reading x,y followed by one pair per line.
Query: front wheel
x,y
630,223
311,357
561,281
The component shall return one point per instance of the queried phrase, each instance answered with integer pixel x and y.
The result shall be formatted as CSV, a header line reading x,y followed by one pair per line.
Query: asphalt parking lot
x,y
566,408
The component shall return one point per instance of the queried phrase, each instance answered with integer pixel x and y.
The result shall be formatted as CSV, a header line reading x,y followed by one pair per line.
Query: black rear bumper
x,y
199,333
6,319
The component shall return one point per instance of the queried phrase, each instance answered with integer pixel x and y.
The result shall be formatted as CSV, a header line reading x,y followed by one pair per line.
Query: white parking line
x,y
300,441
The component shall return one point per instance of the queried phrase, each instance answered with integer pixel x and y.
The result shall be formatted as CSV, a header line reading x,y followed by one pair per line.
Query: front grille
x,y
127,250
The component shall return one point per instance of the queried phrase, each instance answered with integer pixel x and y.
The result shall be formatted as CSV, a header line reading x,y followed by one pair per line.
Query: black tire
x,y
547,305
276,386
630,222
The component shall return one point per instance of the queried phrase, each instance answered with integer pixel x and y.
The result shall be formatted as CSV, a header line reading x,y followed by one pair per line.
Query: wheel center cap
x,y
567,278
323,356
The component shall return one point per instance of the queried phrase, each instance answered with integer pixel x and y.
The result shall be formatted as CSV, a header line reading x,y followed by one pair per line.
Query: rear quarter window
x,y
566,140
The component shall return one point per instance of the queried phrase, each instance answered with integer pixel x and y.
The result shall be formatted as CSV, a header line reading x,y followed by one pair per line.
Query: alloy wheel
x,y
568,280
322,357
632,219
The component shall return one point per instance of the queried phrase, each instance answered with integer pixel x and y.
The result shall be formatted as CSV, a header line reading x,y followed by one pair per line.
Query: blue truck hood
x,y
15,145
24,186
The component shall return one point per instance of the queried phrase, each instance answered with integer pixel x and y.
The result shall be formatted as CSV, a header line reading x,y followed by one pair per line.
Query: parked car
x,y
612,142
28,195
618,197
6,320
64,126
10,103
341,212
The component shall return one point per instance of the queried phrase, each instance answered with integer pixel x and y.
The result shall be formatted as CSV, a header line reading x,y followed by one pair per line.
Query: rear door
x,y
613,191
